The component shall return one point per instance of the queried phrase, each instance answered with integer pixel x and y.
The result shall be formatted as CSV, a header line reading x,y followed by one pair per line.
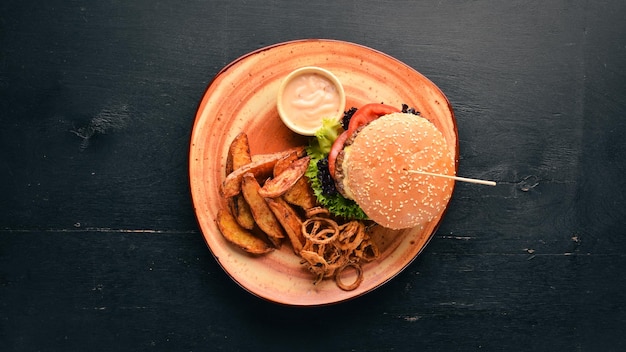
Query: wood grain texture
x,y
99,246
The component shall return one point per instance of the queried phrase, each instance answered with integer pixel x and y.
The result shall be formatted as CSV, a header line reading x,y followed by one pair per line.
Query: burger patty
x,y
339,172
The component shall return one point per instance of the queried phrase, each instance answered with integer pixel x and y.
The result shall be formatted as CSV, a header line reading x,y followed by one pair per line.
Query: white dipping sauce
x,y
308,98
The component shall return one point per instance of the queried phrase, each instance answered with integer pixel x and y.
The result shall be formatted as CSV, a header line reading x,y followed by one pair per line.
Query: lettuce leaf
x,y
318,149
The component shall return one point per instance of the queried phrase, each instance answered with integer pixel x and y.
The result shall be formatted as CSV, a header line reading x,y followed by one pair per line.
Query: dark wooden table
x,y
99,245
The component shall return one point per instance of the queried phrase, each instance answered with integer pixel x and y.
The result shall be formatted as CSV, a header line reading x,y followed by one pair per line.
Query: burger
x,y
387,165
376,168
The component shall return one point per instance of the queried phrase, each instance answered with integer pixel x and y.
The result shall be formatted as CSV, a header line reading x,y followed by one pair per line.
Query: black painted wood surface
x,y
99,246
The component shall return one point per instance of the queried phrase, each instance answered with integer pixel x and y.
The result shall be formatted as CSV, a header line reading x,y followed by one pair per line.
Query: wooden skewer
x,y
457,178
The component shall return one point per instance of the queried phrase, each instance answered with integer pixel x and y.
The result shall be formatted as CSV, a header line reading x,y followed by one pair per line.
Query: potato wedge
x,y
238,153
263,215
240,209
301,194
261,166
278,185
283,164
290,221
299,150
239,236
238,156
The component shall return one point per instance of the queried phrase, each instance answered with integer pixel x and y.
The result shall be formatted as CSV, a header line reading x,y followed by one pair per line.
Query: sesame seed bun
x,y
373,170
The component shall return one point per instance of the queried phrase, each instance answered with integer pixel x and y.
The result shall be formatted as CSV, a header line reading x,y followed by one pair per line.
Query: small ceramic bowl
x,y
307,96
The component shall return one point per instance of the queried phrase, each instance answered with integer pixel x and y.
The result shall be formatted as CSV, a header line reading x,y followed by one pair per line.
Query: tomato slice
x,y
364,115
368,113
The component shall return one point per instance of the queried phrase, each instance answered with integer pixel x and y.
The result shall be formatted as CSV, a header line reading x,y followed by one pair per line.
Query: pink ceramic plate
x,y
242,97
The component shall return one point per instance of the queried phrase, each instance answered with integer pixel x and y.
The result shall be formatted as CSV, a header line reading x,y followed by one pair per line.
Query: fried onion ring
x,y
317,211
317,264
367,251
330,249
351,235
357,281
320,230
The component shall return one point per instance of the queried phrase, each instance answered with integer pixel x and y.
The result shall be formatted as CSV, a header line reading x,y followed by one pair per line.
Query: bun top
x,y
376,171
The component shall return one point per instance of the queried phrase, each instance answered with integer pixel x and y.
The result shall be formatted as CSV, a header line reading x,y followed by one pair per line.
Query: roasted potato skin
x,y
238,153
301,194
261,166
283,164
239,236
239,156
290,221
240,209
263,215
282,182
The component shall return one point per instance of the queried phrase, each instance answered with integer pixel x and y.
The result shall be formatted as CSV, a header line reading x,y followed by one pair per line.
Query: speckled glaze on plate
x,y
242,97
